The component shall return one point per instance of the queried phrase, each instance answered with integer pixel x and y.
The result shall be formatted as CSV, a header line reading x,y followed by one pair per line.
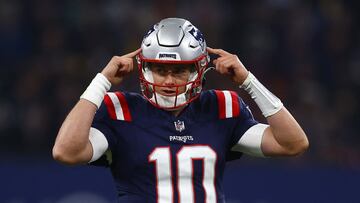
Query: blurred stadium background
x,y
306,52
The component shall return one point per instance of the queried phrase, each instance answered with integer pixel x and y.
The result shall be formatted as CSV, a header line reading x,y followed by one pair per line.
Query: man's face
x,y
171,75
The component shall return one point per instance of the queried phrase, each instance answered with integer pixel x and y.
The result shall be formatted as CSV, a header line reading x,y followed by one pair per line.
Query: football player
x,y
171,143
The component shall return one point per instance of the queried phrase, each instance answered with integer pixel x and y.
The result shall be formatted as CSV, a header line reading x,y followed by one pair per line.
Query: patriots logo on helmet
x,y
198,36
149,32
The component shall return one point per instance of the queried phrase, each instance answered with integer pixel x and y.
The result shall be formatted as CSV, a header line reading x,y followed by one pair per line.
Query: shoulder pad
x,y
117,106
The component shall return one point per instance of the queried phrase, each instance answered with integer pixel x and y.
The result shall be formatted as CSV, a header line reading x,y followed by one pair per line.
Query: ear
x,y
138,60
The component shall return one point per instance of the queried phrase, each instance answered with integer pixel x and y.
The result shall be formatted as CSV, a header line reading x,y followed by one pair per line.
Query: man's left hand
x,y
229,64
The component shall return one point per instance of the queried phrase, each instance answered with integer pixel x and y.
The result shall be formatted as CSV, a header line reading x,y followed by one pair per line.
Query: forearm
x,y
284,135
72,144
287,132
73,137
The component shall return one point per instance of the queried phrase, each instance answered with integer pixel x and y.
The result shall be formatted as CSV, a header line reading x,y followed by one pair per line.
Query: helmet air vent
x,y
170,35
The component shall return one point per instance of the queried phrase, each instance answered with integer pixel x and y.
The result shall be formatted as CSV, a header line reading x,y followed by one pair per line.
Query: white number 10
x,y
185,157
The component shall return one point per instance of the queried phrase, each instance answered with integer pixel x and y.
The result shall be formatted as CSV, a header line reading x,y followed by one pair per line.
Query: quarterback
x,y
171,143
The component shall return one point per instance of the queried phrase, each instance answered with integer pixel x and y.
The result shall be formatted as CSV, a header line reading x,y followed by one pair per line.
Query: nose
x,y
169,79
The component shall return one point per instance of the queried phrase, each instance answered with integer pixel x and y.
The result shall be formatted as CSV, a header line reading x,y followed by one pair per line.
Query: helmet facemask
x,y
192,87
173,41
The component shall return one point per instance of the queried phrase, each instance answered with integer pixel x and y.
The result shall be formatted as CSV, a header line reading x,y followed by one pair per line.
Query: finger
x,y
124,69
229,66
128,65
213,51
209,49
132,54
215,62
121,62
219,67
225,65
220,60
223,58
131,65
217,51
219,64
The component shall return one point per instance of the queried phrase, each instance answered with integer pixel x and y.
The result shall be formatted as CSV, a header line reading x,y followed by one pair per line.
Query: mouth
x,y
167,92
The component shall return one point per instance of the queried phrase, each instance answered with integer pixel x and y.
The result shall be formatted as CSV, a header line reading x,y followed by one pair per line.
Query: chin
x,y
168,94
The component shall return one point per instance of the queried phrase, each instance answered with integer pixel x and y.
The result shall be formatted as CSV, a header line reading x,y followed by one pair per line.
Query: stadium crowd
x,y
306,52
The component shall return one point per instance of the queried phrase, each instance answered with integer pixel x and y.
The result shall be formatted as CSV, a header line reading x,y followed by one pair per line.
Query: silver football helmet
x,y
173,41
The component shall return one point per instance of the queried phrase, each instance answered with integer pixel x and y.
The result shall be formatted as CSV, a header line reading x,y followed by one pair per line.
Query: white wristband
x,y
268,103
97,89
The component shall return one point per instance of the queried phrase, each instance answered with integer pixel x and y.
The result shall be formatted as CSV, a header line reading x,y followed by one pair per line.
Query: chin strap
x,y
207,70
168,101
203,78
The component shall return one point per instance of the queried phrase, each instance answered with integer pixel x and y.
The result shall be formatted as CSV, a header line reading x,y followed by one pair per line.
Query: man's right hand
x,y
119,66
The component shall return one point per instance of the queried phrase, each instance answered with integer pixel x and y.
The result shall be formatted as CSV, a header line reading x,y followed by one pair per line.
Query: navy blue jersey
x,y
159,157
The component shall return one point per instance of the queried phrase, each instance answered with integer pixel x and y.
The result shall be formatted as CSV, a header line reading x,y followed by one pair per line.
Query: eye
x,y
179,70
158,69
162,71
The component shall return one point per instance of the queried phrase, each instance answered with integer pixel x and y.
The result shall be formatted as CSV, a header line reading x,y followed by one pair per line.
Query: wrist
x,y
268,103
105,74
247,80
97,89
243,79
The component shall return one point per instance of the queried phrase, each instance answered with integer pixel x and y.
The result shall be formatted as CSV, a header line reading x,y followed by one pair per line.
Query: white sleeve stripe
x,y
250,142
98,142
118,109
228,104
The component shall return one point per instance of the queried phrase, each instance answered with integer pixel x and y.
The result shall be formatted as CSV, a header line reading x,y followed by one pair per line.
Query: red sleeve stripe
x,y
117,106
221,103
235,104
228,103
110,107
124,106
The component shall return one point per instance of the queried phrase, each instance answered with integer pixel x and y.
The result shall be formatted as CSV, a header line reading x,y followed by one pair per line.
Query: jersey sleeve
x,y
243,122
102,122
237,115
113,113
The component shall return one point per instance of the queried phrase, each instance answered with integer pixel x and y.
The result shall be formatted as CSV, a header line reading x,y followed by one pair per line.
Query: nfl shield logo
x,y
179,125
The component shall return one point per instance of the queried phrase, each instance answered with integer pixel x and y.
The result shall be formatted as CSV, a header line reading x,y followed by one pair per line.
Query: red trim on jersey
x,y
235,104
124,106
110,107
221,103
